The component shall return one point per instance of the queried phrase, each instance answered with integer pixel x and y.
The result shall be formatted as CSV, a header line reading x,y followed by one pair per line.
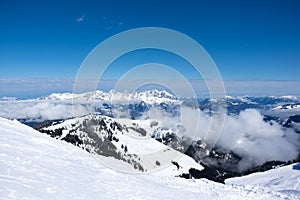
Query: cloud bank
x,y
41,110
246,134
257,141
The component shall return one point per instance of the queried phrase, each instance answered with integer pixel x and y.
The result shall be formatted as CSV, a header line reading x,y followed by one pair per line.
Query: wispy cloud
x,y
81,19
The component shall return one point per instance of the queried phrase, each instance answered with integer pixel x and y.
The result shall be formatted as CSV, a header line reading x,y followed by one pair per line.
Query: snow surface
x,y
35,166
287,107
284,179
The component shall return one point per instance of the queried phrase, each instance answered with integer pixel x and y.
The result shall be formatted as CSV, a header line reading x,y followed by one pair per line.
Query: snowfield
x,y
35,166
284,179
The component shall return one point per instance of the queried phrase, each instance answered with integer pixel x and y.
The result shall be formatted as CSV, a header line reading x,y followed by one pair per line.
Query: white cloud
x,y
257,141
246,134
40,110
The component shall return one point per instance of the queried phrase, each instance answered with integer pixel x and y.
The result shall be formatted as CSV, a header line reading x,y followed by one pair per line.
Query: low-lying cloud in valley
x,y
246,134
257,141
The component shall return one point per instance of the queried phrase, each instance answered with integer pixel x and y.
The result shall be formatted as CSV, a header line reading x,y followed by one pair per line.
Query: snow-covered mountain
x,y
126,144
149,96
35,166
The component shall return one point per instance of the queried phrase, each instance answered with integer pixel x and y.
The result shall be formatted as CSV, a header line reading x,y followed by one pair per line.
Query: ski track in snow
x,y
35,166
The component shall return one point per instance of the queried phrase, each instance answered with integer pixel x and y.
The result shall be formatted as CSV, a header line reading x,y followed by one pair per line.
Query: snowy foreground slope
x,y
284,179
35,166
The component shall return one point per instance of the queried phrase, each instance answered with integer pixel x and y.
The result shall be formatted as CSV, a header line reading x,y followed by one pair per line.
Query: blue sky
x,y
43,43
246,39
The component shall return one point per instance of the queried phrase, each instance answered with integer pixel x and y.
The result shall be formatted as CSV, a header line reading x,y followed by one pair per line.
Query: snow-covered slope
x,y
126,144
35,166
284,179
